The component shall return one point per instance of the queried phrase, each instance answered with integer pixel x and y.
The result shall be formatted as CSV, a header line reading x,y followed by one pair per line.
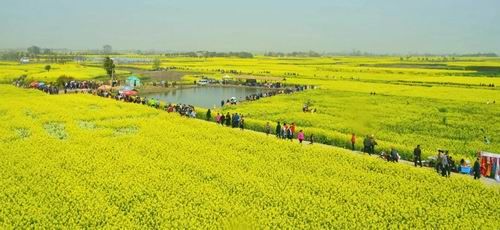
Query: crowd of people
x,y
73,85
285,131
234,120
182,109
444,163
257,96
489,85
55,88
46,88
369,143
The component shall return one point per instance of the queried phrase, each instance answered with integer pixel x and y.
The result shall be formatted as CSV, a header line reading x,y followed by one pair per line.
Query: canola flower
x,y
415,103
36,71
124,165
439,108
396,121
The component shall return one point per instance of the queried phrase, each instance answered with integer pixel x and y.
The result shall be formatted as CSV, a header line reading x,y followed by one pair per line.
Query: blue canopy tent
x,y
133,81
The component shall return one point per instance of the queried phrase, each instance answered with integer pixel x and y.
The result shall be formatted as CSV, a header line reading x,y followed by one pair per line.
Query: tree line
x,y
293,54
38,54
210,54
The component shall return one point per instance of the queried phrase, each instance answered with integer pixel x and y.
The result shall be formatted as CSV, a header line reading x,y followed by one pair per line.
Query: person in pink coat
x,y
300,136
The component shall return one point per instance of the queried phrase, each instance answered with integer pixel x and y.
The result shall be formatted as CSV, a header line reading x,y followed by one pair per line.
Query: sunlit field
x,y
436,102
84,161
321,114
37,72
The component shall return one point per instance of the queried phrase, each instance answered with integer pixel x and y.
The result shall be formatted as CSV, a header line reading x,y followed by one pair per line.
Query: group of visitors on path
x,y
444,163
54,88
235,120
287,132
257,96
46,88
369,143
182,109
73,84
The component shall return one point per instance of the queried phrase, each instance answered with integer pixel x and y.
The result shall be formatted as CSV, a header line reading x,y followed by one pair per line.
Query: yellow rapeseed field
x,y
81,161
36,71
420,100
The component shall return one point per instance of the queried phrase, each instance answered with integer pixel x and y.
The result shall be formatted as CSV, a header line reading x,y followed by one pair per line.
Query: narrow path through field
x,y
484,180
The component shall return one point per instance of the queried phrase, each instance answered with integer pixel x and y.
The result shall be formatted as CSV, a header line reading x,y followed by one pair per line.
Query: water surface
x,y
205,96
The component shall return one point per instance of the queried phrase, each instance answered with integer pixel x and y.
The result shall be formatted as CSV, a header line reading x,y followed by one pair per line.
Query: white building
x,y
24,60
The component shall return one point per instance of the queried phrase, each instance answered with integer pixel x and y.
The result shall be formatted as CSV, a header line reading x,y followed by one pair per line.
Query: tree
x,y
109,66
12,56
47,51
156,64
34,50
47,67
107,49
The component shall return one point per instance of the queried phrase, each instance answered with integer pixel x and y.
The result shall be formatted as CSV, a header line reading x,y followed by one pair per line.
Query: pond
x,y
205,96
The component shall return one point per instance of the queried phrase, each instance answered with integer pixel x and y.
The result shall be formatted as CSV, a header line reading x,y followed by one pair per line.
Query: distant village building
x,y
24,60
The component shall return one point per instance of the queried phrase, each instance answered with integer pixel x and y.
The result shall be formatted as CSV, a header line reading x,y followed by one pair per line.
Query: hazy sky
x,y
383,26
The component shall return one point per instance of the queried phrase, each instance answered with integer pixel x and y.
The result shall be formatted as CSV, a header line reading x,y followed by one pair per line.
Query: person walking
x,y
278,130
217,118
373,142
417,156
451,165
444,165
292,129
222,119
300,136
228,119
236,119
353,141
438,161
477,169
366,144
268,129
209,115
394,155
284,131
241,122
